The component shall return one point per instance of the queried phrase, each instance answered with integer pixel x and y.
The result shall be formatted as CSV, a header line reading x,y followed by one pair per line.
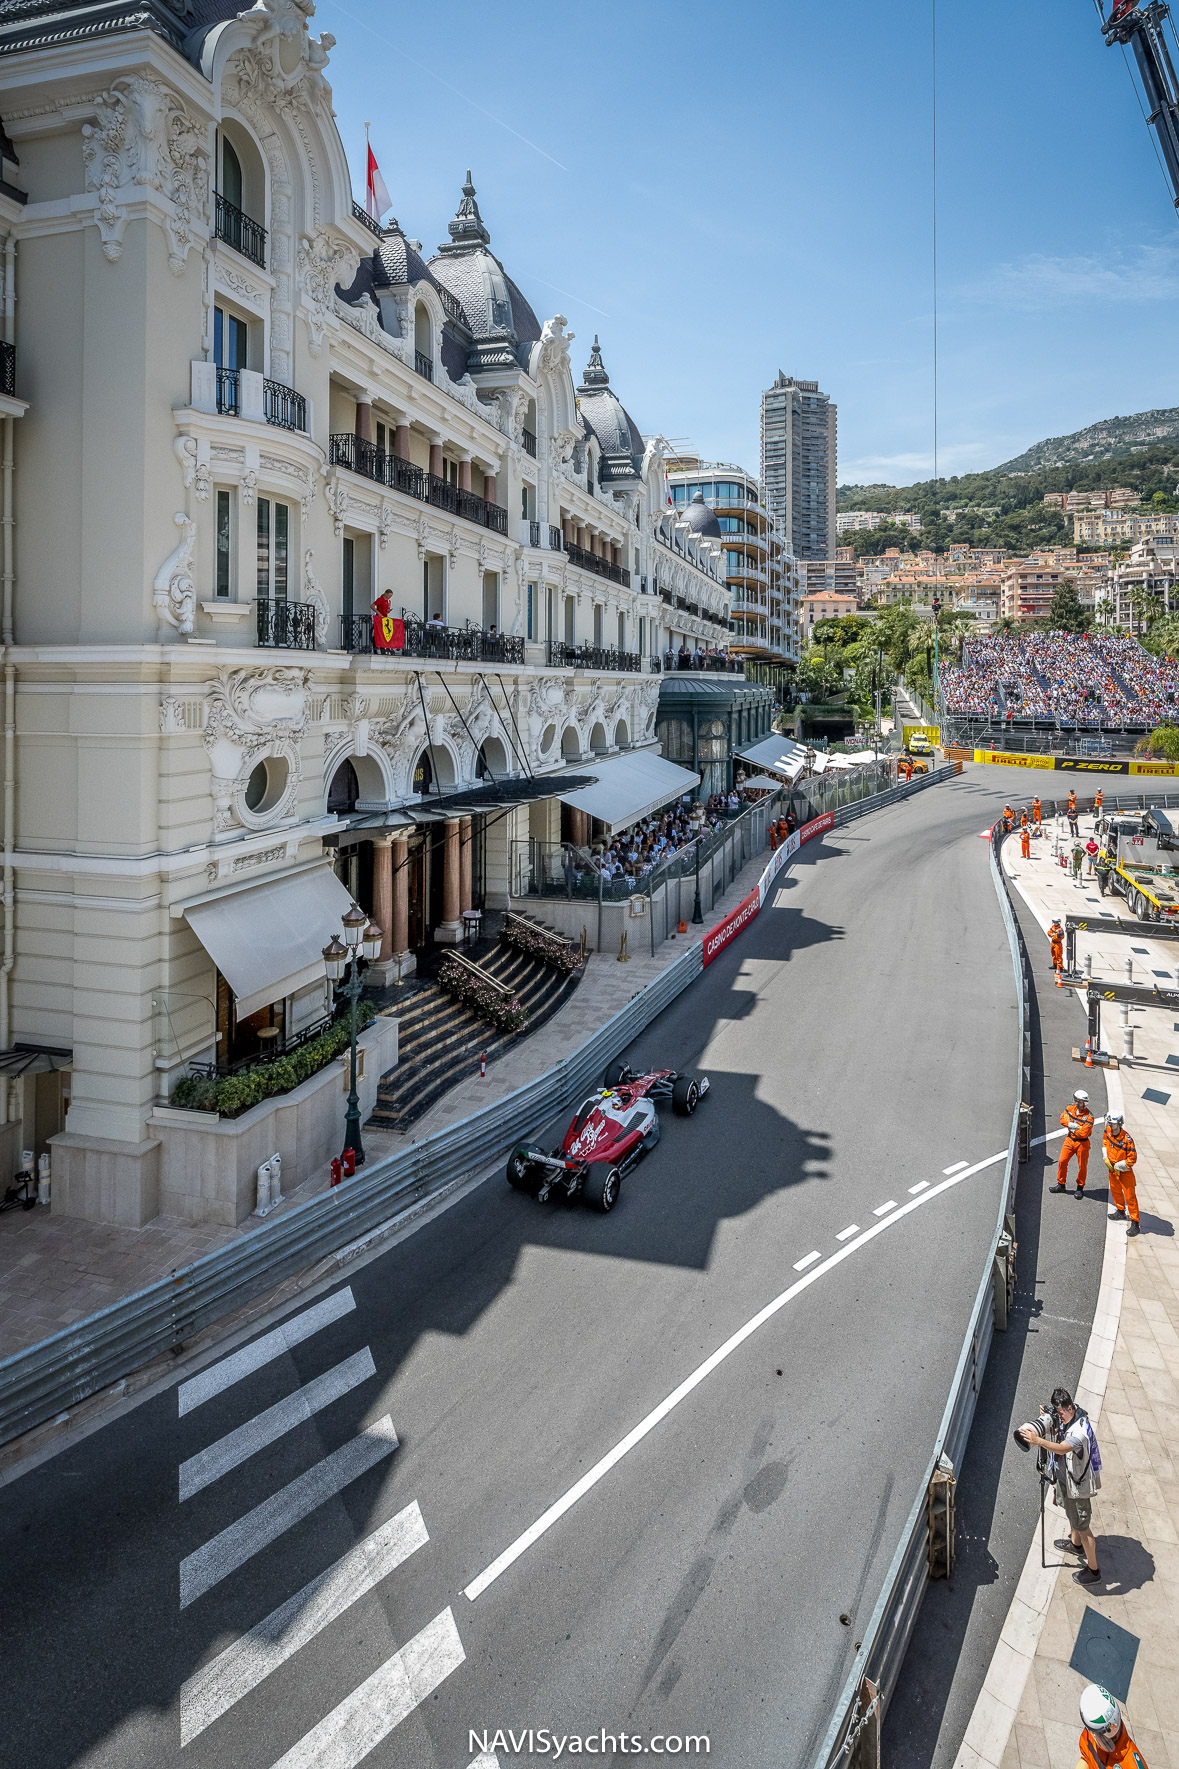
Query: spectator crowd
x,y
706,658
1072,678
635,852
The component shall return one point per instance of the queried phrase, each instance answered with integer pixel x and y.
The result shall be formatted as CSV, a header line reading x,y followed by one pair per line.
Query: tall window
x,y
231,175
274,523
531,622
229,339
223,567
349,576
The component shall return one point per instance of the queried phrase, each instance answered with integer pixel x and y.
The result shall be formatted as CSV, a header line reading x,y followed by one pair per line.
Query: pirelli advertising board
x,y
1073,764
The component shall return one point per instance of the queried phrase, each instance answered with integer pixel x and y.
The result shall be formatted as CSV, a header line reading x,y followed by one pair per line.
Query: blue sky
x,y
724,191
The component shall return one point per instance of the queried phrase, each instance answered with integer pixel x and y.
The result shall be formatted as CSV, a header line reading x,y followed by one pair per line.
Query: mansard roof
x,y
35,24
499,317
619,437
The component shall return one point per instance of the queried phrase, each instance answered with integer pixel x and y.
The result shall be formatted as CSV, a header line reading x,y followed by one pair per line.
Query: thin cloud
x,y
904,469
1041,280
429,72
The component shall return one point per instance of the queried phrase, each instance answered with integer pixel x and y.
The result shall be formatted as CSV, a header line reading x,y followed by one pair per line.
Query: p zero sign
x,y
717,938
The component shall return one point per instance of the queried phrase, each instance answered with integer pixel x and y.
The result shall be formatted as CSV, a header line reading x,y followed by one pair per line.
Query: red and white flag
x,y
377,201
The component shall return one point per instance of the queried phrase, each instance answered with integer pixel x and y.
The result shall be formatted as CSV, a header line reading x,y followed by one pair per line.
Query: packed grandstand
x,y
1064,679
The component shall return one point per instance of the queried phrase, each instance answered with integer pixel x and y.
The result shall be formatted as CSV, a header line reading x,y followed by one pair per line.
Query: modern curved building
x,y
722,501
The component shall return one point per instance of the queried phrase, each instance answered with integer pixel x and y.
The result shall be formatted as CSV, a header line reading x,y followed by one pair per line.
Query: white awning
x,y
631,786
781,754
267,940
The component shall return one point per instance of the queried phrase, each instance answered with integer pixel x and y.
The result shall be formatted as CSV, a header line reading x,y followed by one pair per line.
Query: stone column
x,y
391,911
580,537
383,895
399,914
491,488
449,932
466,859
436,459
364,420
464,478
401,442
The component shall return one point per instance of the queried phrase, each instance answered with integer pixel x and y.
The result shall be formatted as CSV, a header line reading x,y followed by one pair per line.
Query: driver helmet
x,y
1081,1096
1100,1714
1114,1120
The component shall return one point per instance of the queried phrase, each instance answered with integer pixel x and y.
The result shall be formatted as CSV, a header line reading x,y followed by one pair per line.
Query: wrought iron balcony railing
x,y
366,220
229,391
424,639
240,231
617,574
359,456
556,540
592,657
8,369
290,625
283,406
529,441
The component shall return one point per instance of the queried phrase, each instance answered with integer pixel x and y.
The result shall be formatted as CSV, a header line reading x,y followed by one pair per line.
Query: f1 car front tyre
x,y
601,1185
616,1074
685,1096
522,1175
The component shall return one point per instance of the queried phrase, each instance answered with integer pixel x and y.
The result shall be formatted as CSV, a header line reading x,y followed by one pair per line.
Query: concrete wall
x,y
208,1166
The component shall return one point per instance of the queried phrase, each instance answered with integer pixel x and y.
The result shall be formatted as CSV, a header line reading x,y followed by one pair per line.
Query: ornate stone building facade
x,y
251,414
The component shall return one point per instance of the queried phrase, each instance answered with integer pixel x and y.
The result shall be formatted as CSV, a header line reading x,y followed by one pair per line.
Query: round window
x,y
546,742
266,785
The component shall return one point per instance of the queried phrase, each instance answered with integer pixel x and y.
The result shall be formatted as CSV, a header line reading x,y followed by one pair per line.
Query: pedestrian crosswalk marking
x,y
206,1566
343,1738
250,1659
266,1428
223,1375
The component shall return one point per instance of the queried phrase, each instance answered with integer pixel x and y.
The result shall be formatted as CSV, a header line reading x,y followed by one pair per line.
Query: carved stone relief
x,y
173,591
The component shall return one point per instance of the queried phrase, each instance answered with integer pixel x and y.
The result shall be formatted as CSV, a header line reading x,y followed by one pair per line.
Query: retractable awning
x,y
629,787
781,754
267,940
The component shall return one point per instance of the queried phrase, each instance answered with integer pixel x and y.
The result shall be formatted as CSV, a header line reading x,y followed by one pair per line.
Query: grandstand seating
x,y
1063,679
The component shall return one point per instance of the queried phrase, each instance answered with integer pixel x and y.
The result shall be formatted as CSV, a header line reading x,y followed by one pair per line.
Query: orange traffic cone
x,y
1088,1055
1059,980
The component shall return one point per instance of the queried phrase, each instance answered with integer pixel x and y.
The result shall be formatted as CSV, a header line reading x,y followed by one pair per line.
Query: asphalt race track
x,y
860,1038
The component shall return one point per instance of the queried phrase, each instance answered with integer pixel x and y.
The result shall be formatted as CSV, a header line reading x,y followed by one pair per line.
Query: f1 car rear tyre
x,y
616,1074
601,1185
685,1096
522,1175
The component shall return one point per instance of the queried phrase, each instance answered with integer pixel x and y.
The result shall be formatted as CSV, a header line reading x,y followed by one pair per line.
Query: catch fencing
x,y
93,1354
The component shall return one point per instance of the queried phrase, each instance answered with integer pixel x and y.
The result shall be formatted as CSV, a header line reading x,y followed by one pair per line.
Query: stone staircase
x,y
439,1039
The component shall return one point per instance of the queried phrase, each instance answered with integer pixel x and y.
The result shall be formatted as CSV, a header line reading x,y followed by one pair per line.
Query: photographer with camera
x,y
1074,1470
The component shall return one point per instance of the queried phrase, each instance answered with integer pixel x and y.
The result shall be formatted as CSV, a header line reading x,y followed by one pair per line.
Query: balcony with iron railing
x,y
420,638
240,231
424,365
591,657
283,406
288,625
363,457
243,393
366,220
618,574
529,441
228,391
8,369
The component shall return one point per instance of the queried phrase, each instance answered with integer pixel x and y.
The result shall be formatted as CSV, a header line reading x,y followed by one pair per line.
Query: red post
x,y
482,1062
337,1170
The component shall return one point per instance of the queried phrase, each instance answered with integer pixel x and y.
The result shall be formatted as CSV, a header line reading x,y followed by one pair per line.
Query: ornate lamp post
x,y
362,939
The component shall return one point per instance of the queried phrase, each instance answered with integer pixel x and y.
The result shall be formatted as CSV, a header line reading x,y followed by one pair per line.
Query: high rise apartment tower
x,y
798,465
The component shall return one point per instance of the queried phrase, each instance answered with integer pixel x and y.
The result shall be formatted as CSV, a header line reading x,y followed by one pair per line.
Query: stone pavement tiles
x,y
1058,1635
58,1269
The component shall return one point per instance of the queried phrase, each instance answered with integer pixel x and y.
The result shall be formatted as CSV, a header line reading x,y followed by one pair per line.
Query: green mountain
x,y
1108,440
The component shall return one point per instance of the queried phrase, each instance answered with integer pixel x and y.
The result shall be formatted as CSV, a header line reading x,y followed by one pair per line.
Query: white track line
x,y
883,1209
237,1446
809,1260
253,1656
215,1380
668,1405
206,1566
845,1234
345,1737
921,1186
955,1168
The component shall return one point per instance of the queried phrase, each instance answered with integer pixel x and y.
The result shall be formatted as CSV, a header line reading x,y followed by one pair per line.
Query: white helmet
x,y
1115,1118
1081,1095
1100,1714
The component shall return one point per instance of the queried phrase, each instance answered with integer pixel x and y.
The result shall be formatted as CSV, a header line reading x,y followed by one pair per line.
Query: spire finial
x,y
467,228
595,375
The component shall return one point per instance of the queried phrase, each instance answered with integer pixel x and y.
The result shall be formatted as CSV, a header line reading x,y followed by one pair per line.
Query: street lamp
x,y
362,939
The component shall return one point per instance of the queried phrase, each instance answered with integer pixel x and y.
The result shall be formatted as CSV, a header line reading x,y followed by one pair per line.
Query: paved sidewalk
x,y
1058,1634
59,1269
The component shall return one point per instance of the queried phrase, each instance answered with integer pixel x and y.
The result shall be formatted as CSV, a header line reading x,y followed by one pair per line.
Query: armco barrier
x,y
888,1632
56,1374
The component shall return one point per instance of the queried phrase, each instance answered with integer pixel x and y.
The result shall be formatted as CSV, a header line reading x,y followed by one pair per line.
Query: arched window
x,y
231,174
423,342
423,774
343,791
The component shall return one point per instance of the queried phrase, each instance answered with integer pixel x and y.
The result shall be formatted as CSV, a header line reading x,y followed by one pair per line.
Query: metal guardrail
x,y
58,1373
887,1636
